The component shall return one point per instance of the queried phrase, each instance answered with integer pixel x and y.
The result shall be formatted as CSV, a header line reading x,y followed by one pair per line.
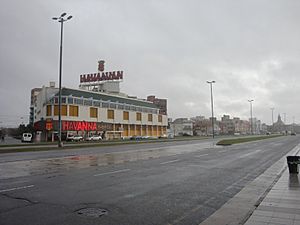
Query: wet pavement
x,y
281,206
145,184
10,141
273,198
55,165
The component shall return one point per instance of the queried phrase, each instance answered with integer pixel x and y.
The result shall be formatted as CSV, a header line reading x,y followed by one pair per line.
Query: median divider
x,y
232,141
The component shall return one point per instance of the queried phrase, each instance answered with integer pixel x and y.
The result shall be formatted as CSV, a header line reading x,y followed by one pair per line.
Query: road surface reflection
x,y
55,165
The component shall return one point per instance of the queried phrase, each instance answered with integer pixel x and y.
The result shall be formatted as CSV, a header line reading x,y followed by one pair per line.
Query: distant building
x,y
241,126
181,127
256,125
160,103
34,94
279,125
227,125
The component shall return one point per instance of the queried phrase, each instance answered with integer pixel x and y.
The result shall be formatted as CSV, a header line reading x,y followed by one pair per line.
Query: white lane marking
x,y
198,156
117,171
176,160
223,151
16,188
251,153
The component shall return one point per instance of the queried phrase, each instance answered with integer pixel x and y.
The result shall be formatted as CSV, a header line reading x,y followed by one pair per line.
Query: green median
x,y
245,139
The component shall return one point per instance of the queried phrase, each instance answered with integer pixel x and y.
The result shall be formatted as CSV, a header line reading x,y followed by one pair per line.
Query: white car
x,y
26,137
94,138
74,138
77,138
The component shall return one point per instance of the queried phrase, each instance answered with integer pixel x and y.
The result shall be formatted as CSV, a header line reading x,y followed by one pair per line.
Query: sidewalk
x,y
281,206
273,198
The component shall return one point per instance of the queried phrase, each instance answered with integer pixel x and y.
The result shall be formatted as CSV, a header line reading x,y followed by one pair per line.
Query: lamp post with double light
x,y
61,19
212,106
251,120
272,109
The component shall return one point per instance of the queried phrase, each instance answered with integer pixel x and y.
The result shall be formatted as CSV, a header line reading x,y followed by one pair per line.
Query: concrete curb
x,y
238,209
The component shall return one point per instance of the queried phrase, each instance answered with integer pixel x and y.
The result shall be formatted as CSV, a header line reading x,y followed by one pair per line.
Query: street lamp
x,y
251,122
61,20
272,109
212,106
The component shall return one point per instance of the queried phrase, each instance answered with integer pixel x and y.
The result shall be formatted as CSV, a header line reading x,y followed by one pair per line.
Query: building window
x,y
78,101
87,102
110,114
73,110
139,116
70,100
160,118
150,118
105,104
63,110
120,106
49,109
96,103
93,112
112,106
125,115
127,107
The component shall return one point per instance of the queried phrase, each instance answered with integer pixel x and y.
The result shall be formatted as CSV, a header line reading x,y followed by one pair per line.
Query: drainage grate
x,y
92,212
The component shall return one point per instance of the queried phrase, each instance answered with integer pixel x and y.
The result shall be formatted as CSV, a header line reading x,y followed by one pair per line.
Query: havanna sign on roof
x,y
101,75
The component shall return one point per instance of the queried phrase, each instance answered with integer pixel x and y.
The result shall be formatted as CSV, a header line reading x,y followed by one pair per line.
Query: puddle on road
x,y
55,165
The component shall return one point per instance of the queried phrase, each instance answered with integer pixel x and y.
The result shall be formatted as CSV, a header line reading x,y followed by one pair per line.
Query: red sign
x,y
94,77
101,65
78,125
49,125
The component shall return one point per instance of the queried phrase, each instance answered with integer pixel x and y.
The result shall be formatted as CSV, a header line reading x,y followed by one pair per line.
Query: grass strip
x,y
245,139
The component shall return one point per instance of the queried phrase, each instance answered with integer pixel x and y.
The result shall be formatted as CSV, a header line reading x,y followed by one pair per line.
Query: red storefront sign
x,y
49,125
79,125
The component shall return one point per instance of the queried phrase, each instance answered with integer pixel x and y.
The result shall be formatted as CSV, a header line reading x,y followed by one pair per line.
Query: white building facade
x,y
95,110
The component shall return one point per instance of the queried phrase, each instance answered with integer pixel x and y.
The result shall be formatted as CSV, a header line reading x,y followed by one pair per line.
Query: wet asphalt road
x,y
157,183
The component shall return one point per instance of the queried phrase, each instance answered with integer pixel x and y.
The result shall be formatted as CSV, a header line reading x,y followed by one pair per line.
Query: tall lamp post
x,y
212,106
251,120
61,19
272,109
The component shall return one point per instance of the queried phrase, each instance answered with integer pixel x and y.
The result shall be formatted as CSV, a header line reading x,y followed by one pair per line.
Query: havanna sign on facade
x,y
101,75
85,126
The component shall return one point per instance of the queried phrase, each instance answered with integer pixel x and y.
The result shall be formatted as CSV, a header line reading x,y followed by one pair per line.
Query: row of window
x,y
74,111
102,104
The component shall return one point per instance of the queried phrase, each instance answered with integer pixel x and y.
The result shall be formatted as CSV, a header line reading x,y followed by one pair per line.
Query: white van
x,y
26,137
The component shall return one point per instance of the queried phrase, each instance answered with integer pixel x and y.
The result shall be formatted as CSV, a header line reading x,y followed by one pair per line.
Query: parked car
x,y
94,138
26,137
77,138
72,137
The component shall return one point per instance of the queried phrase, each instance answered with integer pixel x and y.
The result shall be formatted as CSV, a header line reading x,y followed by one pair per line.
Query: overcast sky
x,y
168,48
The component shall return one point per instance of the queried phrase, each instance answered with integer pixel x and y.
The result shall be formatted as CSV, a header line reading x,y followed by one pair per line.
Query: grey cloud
x,y
167,48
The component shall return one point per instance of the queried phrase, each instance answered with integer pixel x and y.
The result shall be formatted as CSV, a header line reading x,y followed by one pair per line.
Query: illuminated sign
x,y
49,125
104,76
79,125
101,75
